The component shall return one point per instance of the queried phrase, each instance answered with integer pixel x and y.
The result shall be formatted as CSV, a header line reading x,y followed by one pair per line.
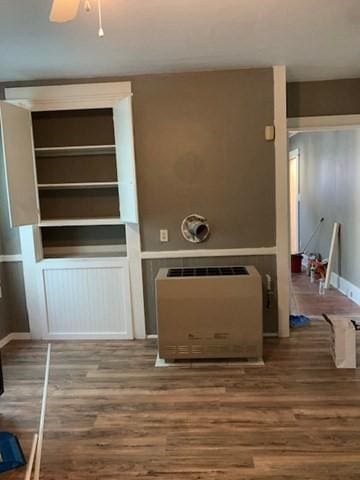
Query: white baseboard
x,y
86,336
14,336
346,287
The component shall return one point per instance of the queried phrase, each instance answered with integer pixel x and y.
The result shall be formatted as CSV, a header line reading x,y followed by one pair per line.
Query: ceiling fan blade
x,y
64,10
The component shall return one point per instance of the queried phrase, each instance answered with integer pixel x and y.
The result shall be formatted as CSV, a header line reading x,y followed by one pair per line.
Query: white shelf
x,y
59,186
62,222
75,150
86,251
85,255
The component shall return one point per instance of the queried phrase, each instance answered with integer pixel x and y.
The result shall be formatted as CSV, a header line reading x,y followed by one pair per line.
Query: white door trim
x,y
282,200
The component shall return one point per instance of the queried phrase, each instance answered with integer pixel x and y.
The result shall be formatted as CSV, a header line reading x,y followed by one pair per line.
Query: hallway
x,y
305,299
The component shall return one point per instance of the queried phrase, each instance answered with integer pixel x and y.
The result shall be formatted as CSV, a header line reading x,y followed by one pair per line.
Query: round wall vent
x,y
195,228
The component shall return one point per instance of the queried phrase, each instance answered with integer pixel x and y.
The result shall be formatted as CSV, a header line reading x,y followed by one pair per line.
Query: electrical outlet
x,y
164,236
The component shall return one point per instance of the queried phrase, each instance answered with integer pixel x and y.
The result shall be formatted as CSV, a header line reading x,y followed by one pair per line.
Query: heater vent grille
x,y
207,272
183,349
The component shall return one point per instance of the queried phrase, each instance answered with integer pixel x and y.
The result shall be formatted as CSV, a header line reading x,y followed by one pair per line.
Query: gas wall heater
x,y
213,312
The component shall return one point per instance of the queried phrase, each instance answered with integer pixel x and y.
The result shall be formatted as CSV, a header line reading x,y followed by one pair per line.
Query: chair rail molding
x,y
219,252
13,258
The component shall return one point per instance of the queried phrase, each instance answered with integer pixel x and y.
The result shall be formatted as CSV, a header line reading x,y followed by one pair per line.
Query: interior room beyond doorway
x,y
324,181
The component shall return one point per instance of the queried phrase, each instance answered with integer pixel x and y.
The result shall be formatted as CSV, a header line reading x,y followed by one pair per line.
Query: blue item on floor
x,y
297,321
11,455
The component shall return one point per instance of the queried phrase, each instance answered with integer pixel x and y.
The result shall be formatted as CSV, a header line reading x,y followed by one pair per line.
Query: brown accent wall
x,y
14,297
13,314
331,97
200,148
4,323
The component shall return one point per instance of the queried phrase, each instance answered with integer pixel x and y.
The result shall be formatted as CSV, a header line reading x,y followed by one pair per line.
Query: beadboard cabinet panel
x,y
82,298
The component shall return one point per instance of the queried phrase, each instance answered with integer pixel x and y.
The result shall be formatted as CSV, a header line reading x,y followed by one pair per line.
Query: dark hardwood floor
x,y
112,415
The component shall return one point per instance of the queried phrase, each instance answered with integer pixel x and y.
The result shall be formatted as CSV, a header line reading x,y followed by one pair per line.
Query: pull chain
x,y
101,30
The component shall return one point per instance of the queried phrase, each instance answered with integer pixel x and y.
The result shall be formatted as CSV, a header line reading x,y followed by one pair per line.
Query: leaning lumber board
x,y
333,245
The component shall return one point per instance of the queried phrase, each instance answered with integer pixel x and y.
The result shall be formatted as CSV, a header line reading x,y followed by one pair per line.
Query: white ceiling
x,y
316,39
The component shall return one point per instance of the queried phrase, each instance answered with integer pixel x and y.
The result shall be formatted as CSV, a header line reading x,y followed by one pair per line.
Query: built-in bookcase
x,y
76,165
77,180
70,172
71,166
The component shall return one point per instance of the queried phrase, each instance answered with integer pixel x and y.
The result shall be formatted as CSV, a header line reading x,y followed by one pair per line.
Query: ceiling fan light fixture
x,y
65,10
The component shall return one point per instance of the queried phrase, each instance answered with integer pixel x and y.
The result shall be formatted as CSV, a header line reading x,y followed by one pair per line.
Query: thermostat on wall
x,y
269,133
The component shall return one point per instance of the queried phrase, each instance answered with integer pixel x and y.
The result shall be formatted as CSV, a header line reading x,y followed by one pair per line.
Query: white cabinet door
x,y
18,151
125,158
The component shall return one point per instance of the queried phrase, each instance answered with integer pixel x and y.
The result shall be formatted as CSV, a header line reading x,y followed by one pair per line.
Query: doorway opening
x,y
324,188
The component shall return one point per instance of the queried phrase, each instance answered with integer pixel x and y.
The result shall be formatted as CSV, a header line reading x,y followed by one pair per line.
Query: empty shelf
x,y
75,150
59,186
80,221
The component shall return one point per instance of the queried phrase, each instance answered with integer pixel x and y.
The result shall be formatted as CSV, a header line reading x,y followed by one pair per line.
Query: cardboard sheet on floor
x,y
342,340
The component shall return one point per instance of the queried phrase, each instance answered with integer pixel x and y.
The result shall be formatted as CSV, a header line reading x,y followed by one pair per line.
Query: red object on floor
x,y
296,260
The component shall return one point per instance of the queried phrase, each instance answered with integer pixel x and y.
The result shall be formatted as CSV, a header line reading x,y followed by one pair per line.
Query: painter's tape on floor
x,y
160,362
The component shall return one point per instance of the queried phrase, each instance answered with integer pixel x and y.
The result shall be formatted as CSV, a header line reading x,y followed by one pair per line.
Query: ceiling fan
x,y
66,10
